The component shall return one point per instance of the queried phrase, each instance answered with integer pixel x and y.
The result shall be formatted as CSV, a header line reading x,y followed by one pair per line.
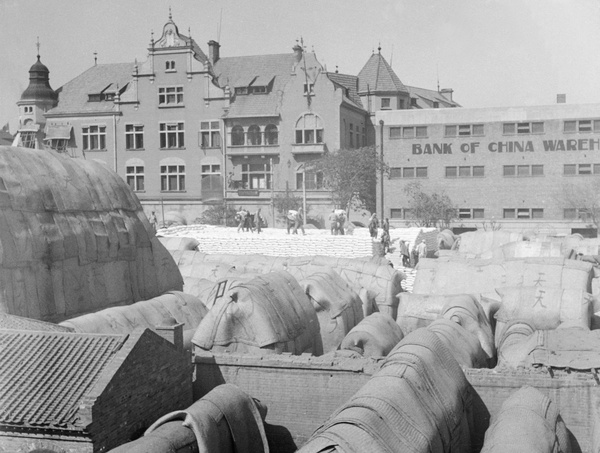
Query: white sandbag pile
x,y
74,239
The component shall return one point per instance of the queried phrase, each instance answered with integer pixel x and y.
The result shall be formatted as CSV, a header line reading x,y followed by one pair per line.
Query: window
x,y
581,169
237,136
254,135
28,139
351,135
468,213
309,129
408,172
309,89
259,89
385,103
401,213
256,176
169,96
576,213
412,132
170,65
582,126
28,109
59,144
523,128
171,135
135,177
134,136
395,132
523,213
314,180
463,130
241,90
211,178
523,170
465,172
210,134
271,135
94,138
172,178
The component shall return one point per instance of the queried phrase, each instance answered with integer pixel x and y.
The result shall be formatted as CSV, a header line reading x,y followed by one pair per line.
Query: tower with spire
x,y
38,98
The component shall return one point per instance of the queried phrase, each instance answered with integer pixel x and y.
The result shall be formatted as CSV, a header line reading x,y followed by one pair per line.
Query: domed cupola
x,y
39,84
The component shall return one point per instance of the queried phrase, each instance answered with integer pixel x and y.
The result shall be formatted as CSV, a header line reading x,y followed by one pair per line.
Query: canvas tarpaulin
x,y
74,239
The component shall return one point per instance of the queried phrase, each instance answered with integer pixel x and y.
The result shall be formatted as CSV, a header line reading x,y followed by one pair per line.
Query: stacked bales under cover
x,y
419,401
74,239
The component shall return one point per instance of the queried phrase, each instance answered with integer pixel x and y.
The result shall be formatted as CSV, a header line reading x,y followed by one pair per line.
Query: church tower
x,y
36,100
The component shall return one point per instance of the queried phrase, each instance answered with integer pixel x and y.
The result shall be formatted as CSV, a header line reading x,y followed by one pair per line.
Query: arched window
x,y
237,136
271,135
170,65
254,135
309,129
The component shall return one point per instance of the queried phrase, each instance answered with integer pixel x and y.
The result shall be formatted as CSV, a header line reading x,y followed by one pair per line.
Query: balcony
x,y
308,148
252,150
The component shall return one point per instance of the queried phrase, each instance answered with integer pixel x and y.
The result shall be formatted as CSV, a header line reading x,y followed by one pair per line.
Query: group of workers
x,y
249,221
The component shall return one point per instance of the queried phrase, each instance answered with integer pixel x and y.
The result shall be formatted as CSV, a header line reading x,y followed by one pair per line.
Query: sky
x,y
490,52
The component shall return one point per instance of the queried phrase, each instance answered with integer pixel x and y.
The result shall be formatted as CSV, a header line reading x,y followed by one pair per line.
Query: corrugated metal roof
x,y
45,375
377,76
73,96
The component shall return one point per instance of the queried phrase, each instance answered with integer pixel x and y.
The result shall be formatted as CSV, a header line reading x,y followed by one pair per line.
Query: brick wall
x,y
301,392
150,379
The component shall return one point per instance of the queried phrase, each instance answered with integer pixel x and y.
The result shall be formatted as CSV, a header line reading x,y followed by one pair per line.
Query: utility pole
x,y
382,215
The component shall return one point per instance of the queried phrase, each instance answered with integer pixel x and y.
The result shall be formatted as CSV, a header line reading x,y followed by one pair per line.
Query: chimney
x,y
447,93
213,51
172,331
298,52
561,98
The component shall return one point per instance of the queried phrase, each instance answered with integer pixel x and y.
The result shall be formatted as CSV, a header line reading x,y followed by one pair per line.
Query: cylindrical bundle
x,y
374,336
528,422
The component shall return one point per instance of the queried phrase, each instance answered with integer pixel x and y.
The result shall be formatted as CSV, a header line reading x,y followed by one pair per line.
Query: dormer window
x,y
109,96
94,97
241,90
259,89
170,65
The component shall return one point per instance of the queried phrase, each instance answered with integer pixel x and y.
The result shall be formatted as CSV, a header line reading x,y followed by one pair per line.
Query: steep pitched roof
x,y
349,82
378,76
255,70
46,375
425,98
73,96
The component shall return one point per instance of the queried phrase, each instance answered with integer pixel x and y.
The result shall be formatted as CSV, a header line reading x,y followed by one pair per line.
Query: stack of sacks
x,y
419,401
225,420
528,422
266,314
527,249
481,244
74,239
567,347
544,308
179,243
372,280
182,307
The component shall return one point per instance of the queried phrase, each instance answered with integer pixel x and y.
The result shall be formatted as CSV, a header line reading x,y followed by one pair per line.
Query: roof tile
x,y
377,75
45,375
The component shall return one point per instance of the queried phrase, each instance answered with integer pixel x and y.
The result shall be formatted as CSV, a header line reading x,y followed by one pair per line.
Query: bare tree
x,y
430,210
583,200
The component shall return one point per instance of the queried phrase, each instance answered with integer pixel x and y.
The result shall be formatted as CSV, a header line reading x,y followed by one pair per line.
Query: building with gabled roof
x,y
71,392
188,129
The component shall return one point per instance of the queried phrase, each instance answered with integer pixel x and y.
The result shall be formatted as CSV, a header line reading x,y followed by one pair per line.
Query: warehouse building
x,y
523,168
188,129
